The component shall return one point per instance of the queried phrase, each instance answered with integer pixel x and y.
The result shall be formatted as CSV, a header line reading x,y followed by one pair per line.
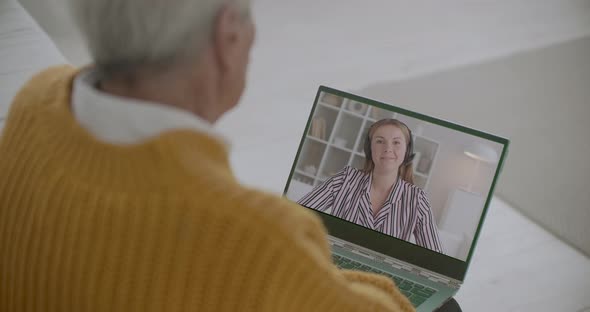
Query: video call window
x,y
392,173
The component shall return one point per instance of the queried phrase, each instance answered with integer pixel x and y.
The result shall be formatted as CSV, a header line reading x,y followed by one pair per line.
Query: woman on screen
x,y
382,196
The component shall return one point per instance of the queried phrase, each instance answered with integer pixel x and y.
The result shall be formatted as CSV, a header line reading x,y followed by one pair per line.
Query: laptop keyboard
x,y
415,292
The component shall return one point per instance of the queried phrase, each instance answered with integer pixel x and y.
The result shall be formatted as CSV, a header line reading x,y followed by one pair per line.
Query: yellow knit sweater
x,y
158,226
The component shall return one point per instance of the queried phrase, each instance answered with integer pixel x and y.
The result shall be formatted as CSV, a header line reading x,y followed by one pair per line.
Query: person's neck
x,y
171,88
383,180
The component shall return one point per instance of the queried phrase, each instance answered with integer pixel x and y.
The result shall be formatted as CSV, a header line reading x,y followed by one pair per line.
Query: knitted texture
x,y
162,225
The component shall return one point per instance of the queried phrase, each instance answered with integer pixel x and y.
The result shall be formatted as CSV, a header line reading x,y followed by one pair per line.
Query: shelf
x,y
357,108
341,148
323,122
377,113
305,174
311,137
311,154
334,100
338,159
321,179
353,114
346,130
329,106
420,174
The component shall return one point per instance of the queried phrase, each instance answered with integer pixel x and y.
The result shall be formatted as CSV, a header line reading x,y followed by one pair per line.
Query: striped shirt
x,y
406,210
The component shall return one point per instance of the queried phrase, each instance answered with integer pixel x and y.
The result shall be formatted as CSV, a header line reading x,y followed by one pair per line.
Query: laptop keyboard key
x,y
405,285
415,292
406,293
417,300
420,292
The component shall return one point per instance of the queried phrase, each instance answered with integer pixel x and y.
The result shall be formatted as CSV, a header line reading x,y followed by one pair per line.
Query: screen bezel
x,y
388,245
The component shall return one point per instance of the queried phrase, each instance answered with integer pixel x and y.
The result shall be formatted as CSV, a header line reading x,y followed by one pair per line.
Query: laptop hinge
x,y
395,263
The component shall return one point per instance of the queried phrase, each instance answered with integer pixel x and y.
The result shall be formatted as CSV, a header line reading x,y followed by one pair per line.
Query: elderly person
x,y
117,195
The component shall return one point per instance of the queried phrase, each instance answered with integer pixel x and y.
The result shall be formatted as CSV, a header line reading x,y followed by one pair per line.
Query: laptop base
x,y
404,275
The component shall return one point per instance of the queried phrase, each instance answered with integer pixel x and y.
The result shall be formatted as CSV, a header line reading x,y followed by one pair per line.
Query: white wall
x,y
24,50
541,101
452,168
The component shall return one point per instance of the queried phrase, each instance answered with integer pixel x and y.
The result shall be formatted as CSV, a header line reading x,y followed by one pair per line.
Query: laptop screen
x,y
395,176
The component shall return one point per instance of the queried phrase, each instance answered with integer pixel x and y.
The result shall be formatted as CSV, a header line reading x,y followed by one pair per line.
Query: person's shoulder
x,y
411,187
349,170
48,84
285,220
51,76
56,70
266,203
257,209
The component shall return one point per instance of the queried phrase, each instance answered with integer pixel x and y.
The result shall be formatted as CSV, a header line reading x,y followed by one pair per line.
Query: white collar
x,y
121,120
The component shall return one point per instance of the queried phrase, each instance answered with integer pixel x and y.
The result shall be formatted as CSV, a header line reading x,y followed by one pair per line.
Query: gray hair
x,y
124,34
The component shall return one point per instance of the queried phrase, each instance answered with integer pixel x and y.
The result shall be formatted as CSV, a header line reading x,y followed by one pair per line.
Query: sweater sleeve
x,y
322,196
302,276
379,281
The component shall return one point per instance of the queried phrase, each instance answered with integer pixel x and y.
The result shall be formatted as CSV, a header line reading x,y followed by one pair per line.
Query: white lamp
x,y
481,153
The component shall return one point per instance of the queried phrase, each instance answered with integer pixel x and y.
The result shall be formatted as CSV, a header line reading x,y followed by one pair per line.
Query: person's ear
x,y
229,36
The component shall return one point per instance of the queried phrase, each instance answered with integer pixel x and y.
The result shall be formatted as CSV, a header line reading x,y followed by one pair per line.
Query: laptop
x,y
454,172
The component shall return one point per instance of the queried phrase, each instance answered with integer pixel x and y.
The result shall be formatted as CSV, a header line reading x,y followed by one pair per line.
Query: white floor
x,y
517,266
520,267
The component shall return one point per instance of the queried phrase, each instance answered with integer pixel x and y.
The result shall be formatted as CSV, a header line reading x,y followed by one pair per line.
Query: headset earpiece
x,y
409,149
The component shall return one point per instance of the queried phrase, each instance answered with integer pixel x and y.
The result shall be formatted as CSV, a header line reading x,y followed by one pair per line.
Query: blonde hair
x,y
406,169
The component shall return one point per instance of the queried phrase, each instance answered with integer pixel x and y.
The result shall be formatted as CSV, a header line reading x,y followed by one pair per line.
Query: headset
x,y
408,158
